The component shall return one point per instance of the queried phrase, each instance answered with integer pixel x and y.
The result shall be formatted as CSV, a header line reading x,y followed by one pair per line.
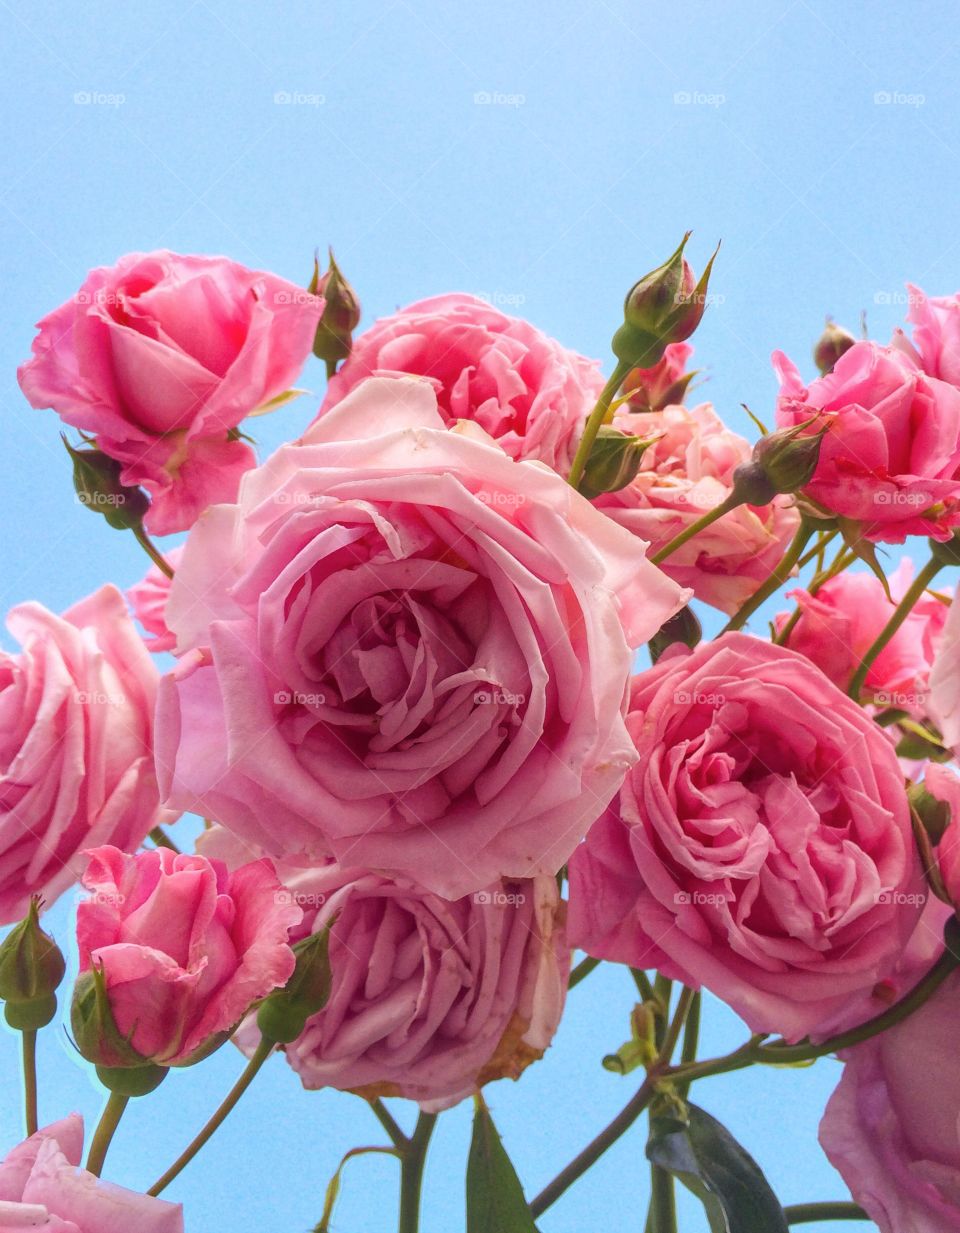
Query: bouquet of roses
x,y
400,685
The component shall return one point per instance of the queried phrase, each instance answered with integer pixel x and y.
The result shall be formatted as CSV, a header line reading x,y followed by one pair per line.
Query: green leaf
x,y
333,1186
708,1160
281,400
495,1202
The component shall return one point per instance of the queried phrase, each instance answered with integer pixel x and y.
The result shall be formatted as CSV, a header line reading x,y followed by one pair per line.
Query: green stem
x,y
810,1213
102,1136
162,839
263,1051
150,548
663,1206
903,609
388,1122
29,1042
672,1035
583,968
732,502
662,991
776,579
642,981
817,550
594,421
595,1149
691,1039
412,1160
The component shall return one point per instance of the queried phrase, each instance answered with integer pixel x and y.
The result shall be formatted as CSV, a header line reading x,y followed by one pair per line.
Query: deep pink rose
x,y
687,471
185,947
42,1186
762,846
662,385
846,616
891,453
76,744
406,650
936,334
944,702
430,998
160,357
523,388
892,1127
148,600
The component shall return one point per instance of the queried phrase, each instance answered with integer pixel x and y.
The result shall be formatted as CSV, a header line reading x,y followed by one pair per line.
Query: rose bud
x,y
333,341
97,481
662,385
783,462
613,462
31,969
664,307
283,1015
831,344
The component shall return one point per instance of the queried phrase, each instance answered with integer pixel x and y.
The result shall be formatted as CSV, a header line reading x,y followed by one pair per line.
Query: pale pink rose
x,y
846,616
185,948
892,1127
405,650
42,1186
944,702
523,388
684,473
430,998
148,600
762,847
662,385
936,334
160,357
891,454
76,744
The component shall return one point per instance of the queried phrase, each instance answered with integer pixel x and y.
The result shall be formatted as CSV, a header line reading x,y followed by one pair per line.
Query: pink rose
x,y
41,1186
891,455
406,650
185,948
160,357
430,999
944,702
76,744
148,599
519,385
762,846
663,385
841,622
687,471
892,1127
936,334
943,785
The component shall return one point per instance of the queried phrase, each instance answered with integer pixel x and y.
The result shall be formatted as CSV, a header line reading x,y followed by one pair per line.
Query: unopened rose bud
x,y
96,477
613,462
283,1015
340,317
664,307
31,969
932,814
95,1032
831,344
783,461
662,385
683,629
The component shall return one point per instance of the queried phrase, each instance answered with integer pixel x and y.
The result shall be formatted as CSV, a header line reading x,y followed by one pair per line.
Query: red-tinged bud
x,y
663,385
783,461
96,477
831,344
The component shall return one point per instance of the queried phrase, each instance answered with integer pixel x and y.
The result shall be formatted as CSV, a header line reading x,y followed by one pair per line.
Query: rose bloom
x,y
762,846
891,455
42,1186
841,622
936,334
430,998
664,383
406,650
686,471
76,744
148,600
943,784
160,357
944,701
892,1127
519,385
184,946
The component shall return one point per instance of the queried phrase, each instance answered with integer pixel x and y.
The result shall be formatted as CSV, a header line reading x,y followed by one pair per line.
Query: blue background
x,y
818,140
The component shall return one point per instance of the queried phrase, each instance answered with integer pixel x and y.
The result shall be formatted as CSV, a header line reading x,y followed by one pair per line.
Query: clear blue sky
x,y
581,172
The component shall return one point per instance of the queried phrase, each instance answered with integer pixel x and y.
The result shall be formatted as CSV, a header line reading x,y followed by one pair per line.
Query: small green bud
x,y
31,969
613,462
340,317
683,629
95,1031
283,1015
933,814
96,477
831,344
783,461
